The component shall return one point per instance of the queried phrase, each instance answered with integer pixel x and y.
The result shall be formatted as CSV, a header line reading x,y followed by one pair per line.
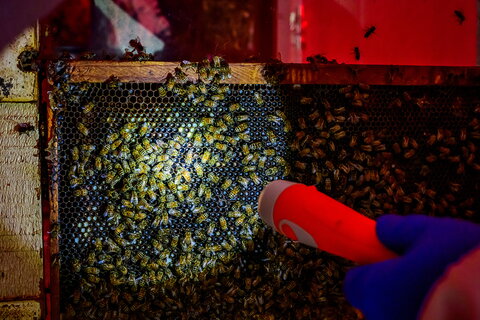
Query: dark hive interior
x,y
160,220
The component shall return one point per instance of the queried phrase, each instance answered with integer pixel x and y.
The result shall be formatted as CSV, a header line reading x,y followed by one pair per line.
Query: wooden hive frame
x,y
257,73
244,73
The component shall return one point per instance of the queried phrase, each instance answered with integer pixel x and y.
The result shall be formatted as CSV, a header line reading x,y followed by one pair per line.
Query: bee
x,y
269,152
74,182
208,194
244,136
226,184
174,241
255,146
356,53
223,89
366,147
243,181
234,214
219,137
157,220
82,192
210,104
92,270
91,259
172,204
242,127
82,128
147,146
201,218
271,136
187,65
210,228
162,91
140,216
186,175
128,213
241,118
217,97
170,82
258,98
206,156
203,70
192,90
228,118
189,157
183,187
93,279
234,107
369,31
300,165
188,241
221,146
460,16
197,140
87,108
339,135
223,223
105,149
115,144
328,185
199,88
240,220
254,178
217,61
271,171
261,162
207,121
212,177
249,168
198,100
274,119
180,76
98,163
247,159
209,138
54,231
234,192
160,219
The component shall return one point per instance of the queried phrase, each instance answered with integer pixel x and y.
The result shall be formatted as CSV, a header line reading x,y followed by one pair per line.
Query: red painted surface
x,y
416,32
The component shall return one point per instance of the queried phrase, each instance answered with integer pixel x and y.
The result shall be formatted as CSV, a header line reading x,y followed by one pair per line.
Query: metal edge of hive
x,y
288,73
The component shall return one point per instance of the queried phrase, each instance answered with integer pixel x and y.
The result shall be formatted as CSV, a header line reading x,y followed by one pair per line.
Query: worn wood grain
x,y
20,214
20,310
255,73
16,85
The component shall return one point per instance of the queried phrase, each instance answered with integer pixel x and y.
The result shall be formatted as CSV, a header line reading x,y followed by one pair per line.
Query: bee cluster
x,y
168,197
413,152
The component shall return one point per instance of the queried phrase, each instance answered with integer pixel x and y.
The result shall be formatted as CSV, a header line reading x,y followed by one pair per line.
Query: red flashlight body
x,y
304,214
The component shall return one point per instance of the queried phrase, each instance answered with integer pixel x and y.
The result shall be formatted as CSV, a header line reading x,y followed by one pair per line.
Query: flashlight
x,y
306,215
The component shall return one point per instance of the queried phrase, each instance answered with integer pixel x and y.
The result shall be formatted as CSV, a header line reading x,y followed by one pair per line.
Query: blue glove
x,y
396,288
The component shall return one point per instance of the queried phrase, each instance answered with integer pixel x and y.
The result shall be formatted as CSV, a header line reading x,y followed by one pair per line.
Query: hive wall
x,y
20,212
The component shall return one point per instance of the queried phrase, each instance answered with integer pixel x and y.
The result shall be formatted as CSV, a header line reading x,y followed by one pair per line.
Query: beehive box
x,y
156,170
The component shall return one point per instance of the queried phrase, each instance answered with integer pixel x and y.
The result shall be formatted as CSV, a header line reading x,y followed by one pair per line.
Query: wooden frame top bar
x,y
258,73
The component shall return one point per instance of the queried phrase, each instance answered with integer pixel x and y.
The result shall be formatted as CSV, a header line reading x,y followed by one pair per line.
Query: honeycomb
x,y
397,132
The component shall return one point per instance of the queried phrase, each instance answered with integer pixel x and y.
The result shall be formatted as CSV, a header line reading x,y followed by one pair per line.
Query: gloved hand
x,y
396,288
